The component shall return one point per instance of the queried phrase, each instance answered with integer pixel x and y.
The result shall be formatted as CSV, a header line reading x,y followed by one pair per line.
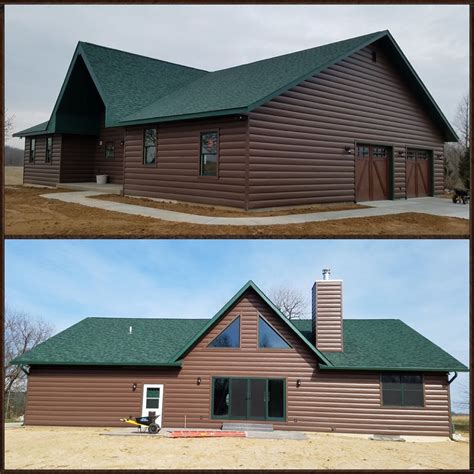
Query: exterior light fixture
x,y
122,143
348,149
134,386
401,154
198,381
298,382
100,142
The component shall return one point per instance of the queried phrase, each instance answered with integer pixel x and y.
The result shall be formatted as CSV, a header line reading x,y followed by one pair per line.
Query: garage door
x,y
418,181
372,165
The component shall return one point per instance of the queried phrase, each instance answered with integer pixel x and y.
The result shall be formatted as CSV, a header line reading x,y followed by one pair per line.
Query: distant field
x,y
13,175
461,424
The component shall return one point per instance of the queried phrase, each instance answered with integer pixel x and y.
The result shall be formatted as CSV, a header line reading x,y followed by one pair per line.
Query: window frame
x,y
48,158
110,142
145,147
267,379
159,410
32,152
228,348
401,407
217,154
278,332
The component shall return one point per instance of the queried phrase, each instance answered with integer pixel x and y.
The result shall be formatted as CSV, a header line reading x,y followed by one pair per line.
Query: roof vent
x,y
326,273
130,329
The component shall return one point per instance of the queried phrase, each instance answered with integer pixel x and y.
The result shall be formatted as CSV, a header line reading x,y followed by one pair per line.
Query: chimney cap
x,y
326,273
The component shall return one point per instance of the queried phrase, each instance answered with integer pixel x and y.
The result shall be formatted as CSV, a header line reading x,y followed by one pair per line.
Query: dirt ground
x,y
28,214
75,448
228,212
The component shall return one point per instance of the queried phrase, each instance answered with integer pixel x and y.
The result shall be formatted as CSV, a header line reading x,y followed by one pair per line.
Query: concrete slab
x,y
287,435
434,206
108,188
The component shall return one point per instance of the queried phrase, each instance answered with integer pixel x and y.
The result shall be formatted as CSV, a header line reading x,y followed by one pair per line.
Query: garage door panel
x,y
372,176
418,181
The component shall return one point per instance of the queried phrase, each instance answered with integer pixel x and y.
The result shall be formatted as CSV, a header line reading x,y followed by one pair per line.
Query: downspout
x,y
450,381
27,372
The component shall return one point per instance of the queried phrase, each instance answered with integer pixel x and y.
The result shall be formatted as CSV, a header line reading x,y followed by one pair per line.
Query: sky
x,y
40,41
422,282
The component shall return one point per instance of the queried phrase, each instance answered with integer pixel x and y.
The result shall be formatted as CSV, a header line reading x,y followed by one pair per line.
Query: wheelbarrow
x,y
147,422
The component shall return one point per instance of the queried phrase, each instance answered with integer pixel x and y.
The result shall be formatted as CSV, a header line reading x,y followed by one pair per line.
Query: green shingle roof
x,y
381,344
39,129
136,89
385,344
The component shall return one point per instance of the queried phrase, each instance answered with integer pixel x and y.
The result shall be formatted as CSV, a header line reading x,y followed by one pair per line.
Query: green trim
x,y
174,118
391,173
396,369
266,417
249,285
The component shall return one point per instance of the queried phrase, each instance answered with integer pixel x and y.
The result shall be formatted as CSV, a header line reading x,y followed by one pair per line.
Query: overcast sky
x,y
40,41
422,282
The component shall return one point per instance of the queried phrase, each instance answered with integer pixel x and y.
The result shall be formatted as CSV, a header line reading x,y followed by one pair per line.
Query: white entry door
x,y
153,400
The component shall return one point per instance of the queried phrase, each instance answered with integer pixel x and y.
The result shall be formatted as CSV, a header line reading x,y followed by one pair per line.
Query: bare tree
x,y
461,121
22,333
8,125
290,302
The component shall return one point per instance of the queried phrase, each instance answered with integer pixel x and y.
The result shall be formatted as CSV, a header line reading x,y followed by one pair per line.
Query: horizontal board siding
x,y
176,173
341,402
77,160
40,172
297,140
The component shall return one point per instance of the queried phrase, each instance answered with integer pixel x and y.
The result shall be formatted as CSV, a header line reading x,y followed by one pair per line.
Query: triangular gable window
x,y
229,337
268,337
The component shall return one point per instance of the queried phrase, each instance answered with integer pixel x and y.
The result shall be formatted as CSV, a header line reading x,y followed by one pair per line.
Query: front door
x,y
418,182
248,399
372,172
152,402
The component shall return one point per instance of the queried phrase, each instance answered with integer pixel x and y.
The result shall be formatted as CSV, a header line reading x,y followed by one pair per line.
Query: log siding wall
x,y
338,401
297,139
175,174
40,172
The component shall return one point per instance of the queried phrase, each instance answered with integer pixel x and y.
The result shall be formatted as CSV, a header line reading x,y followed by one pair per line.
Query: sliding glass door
x,y
248,399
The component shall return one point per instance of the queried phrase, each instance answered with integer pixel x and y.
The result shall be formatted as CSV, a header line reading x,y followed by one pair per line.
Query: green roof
x,y
369,344
385,344
136,89
40,129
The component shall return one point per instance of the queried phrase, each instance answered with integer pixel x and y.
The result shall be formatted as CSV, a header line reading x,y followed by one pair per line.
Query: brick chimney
x,y
327,313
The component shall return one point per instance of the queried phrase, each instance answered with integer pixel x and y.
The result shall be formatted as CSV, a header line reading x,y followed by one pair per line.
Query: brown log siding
x,y
341,402
40,172
176,172
297,140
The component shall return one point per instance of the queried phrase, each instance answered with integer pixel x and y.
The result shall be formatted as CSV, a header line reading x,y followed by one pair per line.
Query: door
x,y
248,399
152,402
418,181
372,172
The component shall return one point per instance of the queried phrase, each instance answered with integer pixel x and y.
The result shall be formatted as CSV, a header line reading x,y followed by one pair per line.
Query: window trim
x,y
228,348
110,142
159,410
209,176
50,137
267,418
144,147
278,332
402,407
32,154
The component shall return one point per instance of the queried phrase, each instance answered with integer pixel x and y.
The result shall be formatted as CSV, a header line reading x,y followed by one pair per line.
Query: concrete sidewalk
x,y
434,206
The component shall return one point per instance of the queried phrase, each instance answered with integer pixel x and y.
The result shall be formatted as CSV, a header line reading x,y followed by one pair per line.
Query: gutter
x,y
23,369
395,369
453,378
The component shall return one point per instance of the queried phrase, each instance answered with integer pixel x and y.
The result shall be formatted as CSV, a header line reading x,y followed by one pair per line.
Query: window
x,y
109,150
149,146
152,398
268,338
32,149
379,152
402,390
49,149
229,337
362,150
209,146
240,398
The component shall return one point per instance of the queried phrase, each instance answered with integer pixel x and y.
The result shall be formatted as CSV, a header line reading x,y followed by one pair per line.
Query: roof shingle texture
x,y
368,344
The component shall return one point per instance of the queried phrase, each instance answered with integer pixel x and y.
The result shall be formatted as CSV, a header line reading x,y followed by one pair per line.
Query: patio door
x,y
248,399
152,402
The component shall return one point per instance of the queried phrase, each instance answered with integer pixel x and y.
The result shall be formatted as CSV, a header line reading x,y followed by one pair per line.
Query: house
x,y
347,121
249,362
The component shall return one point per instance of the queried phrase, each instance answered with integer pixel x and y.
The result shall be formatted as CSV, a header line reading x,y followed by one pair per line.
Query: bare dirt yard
x,y
28,214
79,448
